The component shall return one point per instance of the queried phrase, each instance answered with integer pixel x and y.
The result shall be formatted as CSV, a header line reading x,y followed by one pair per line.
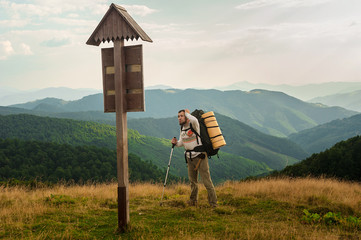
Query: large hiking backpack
x,y
203,135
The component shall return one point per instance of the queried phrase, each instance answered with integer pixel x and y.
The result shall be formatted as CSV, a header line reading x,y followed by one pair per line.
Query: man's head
x,y
182,119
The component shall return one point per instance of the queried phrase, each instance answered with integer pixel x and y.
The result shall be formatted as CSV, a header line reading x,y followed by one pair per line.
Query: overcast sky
x,y
203,43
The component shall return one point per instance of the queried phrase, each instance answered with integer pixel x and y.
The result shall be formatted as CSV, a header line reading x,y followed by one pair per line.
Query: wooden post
x,y
122,135
118,25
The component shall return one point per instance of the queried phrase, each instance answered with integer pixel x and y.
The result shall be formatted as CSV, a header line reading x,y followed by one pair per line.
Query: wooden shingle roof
x,y
117,24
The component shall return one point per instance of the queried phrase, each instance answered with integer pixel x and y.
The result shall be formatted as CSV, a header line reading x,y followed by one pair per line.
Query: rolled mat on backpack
x,y
213,130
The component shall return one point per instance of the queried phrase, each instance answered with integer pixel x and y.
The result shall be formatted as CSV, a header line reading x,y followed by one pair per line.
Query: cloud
x,y
14,23
56,42
25,49
280,3
32,10
140,10
74,22
6,49
172,28
56,7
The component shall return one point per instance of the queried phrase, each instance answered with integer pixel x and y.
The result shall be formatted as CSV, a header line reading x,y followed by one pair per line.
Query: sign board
x,y
134,86
108,79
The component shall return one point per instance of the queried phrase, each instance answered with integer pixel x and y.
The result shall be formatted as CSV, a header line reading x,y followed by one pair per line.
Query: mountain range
x,y
273,113
304,92
247,120
350,100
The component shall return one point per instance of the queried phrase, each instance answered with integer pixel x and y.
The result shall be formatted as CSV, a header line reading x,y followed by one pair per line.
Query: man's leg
x,y
193,178
207,181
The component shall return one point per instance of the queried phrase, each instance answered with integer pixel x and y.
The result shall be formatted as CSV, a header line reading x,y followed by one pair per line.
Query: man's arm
x,y
193,120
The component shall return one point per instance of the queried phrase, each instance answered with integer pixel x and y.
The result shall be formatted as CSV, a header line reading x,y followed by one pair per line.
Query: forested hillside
x,y
241,139
342,161
156,150
324,136
52,162
29,127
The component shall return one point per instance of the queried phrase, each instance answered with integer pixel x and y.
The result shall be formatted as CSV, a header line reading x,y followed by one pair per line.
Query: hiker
x,y
196,161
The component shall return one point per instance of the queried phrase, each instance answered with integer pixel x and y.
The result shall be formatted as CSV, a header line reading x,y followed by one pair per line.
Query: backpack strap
x,y
195,132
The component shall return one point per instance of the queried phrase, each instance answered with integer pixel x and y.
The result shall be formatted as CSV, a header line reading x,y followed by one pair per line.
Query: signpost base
x,y
123,219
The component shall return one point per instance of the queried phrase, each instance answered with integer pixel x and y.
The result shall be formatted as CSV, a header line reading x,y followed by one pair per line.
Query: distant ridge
x,y
324,136
15,97
158,87
304,92
350,100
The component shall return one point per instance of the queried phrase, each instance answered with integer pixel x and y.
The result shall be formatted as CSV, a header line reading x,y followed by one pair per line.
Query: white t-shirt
x,y
187,138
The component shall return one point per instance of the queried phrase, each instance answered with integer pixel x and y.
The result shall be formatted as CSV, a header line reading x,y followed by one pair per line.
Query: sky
x,y
203,43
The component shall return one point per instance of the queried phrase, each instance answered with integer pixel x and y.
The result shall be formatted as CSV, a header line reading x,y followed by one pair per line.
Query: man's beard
x,y
181,124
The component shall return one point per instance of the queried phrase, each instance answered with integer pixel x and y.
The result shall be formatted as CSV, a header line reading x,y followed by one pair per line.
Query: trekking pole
x,y
166,175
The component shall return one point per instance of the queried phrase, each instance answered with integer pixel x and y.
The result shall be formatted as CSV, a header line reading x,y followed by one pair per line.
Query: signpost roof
x,y
117,24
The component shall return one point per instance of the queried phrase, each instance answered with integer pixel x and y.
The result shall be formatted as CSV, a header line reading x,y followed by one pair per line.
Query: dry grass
x,y
262,209
306,191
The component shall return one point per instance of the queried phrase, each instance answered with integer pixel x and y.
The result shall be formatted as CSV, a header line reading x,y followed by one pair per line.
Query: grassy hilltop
x,y
263,209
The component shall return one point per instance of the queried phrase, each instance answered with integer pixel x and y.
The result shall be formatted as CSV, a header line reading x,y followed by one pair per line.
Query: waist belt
x,y
199,149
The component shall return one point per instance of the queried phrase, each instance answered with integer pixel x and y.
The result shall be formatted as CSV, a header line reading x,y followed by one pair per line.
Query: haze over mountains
x,y
307,92
13,96
303,92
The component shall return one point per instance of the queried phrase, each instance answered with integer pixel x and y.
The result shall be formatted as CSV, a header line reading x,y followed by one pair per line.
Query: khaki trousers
x,y
203,170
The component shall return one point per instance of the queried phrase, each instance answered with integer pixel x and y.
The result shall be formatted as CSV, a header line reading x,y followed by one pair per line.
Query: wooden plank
x,y
109,103
118,32
133,54
106,27
108,79
135,102
108,57
103,53
134,80
115,28
111,27
109,82
124,30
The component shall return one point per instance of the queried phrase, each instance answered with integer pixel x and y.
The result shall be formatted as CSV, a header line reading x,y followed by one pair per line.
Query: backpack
x,y
203,135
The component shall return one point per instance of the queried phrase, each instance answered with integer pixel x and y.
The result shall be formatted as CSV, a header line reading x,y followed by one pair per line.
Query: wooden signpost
x,y
123,87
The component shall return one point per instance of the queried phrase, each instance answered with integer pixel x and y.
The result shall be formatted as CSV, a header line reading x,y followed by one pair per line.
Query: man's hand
x,y
174,141
187,111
